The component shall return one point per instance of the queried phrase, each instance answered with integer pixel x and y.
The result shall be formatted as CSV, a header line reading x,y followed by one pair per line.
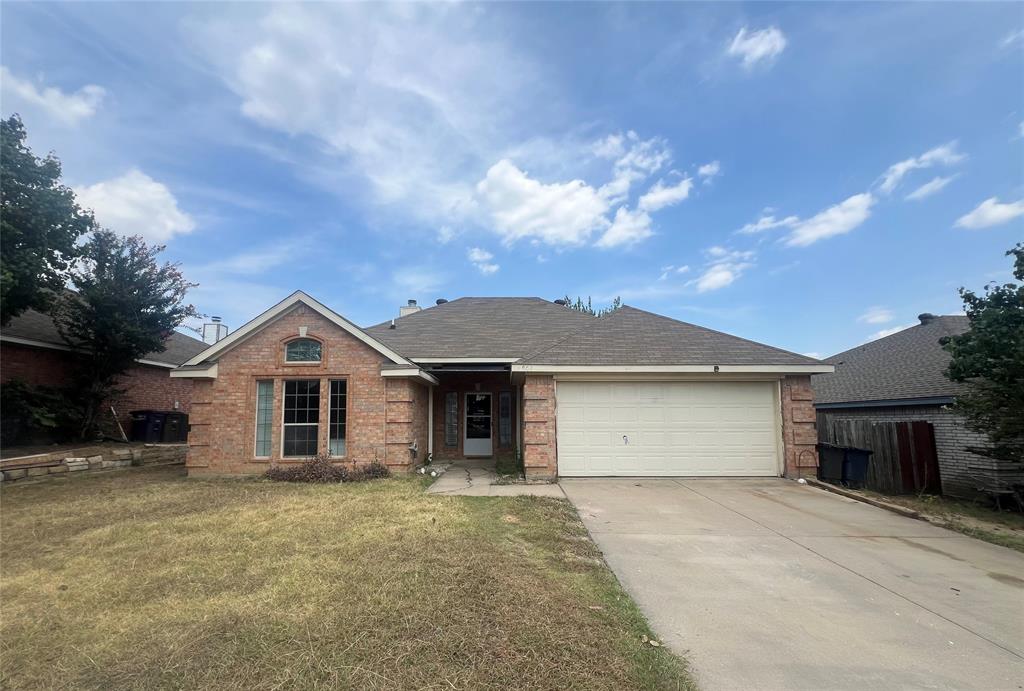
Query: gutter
x,y
888,403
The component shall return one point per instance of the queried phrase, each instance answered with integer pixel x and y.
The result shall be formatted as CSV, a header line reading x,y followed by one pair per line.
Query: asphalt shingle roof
x,y
480,327
37,326
629,336
906,365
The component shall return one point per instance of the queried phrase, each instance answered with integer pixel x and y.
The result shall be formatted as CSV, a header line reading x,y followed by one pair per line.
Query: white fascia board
x,y
209,372
408,372
58,346
280,308
463,360
672,369
155,363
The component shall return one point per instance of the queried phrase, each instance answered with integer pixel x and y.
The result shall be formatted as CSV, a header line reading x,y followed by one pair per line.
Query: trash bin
x,y
845,465
148,425
175,428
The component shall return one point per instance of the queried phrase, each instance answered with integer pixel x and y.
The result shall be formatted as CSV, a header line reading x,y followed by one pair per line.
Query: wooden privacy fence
x,y
904,459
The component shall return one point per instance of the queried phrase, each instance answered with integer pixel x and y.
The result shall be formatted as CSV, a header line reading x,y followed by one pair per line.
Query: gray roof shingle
x,y
36,326
475,327
906,365
629,336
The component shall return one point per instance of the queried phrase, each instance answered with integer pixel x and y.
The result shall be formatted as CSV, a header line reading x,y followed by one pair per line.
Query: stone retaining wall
x,y
88,460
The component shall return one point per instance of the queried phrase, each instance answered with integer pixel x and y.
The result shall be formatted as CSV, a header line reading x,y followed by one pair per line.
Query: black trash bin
x,y
148,425
830,462
855,467
175,428
845,465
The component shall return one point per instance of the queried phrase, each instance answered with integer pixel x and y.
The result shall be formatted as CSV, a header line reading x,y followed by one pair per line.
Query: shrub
x,y
319,468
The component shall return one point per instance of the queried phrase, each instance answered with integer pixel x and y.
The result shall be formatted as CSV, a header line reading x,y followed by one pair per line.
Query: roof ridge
x,y
898,333
583,325
722,333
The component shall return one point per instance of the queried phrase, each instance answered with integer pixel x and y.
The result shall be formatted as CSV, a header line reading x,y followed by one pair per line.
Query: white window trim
x,y
284,383
256,431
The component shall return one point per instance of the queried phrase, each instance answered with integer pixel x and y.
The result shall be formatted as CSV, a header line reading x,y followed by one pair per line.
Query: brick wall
x,y
406,422
462,383
539,452
799,431
223,418
35,366
958,467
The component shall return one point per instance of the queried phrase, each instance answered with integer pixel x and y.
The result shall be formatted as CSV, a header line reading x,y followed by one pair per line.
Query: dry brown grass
x,y
145,579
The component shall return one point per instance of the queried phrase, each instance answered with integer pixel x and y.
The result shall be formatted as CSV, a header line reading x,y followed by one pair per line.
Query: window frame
x,y
301,339
453,443
285,425
330,411
269,423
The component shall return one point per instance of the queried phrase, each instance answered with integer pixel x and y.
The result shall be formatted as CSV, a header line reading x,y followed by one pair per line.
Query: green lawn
x,y
144,579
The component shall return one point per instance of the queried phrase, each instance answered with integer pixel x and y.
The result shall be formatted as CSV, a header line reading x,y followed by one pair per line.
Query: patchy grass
x,y
145,579
508,465
977,520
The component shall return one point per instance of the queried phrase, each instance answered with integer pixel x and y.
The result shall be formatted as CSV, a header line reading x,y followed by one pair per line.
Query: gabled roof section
x,y
298,297
493,329
38,329
633,337
908,364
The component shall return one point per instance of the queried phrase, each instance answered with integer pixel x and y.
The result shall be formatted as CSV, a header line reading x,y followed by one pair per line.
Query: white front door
x,y
646,428
479,435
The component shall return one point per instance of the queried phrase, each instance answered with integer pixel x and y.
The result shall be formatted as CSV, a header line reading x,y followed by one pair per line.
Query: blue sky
x,y
806,175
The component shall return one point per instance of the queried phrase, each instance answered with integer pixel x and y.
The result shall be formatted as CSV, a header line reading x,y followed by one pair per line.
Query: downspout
x,y
430,422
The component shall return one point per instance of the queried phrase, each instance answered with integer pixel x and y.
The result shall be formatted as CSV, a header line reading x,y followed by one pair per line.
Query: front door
x,y
478,441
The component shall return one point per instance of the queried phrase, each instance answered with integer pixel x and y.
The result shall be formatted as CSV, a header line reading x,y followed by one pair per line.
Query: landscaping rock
x,y
95,461
15,474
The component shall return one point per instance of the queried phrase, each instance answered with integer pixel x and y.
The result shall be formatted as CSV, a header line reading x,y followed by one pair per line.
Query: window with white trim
x,y
339,396
303,350
301,418
264,413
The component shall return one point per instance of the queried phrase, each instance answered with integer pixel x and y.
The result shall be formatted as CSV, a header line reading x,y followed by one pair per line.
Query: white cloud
x,y
991,212
446,234
661,195
709,170
556,214
934,186
669,270
768,222
481,259
876,315
723,269
63,107
637,159
835,220
1012,38
136,204
757,46
888,332
945,155
628,228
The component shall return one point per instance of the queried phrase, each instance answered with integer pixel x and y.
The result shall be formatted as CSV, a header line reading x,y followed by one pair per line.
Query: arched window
x,y
302,350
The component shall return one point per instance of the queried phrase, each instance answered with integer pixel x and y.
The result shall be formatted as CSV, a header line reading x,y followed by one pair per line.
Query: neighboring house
x,y
900,378
32,351
631,393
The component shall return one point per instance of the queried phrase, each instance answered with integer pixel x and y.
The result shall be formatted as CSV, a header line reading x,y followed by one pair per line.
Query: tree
x,y
40,224
125,304
588,306
989,357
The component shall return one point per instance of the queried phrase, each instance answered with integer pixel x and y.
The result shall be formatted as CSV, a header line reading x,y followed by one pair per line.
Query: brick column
x,y
539,455
799,431
200,419
399,402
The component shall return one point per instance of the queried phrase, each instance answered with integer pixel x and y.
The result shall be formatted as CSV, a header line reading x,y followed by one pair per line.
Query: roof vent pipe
x,y
392,325
441,301
563,303
927,317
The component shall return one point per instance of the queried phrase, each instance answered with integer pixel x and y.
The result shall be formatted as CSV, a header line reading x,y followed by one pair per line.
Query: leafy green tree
x,y
125,304
40,224
588,306
989,357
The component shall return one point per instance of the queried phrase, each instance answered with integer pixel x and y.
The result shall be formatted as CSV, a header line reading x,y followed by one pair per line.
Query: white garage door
x,y
667,428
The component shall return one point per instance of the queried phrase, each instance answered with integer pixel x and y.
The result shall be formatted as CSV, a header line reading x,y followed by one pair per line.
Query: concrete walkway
x,y
472,478
768,584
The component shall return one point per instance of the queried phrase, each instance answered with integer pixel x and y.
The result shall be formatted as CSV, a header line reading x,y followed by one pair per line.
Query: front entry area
x,y
668,428
479,440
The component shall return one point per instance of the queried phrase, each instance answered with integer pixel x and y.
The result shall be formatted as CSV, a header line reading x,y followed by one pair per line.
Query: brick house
x,y
900,378
631,393
32,351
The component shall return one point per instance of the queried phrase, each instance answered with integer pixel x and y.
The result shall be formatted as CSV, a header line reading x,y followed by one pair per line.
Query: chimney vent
x,y
410,308
214,331
441,301
927,317
563,303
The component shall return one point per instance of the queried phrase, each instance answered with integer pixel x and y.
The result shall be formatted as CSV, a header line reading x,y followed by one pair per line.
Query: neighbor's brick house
x,y
632,393
32,351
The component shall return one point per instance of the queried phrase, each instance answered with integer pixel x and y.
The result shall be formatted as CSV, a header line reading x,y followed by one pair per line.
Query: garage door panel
x,y
667,428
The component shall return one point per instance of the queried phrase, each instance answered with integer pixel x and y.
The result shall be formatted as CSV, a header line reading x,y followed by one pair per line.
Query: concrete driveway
x,y
767,584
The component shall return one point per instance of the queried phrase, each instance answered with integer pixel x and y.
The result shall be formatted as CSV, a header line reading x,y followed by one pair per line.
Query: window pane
x,y
264,410
301,415
338,414
505,418
478,404
451,419
478,427
303,350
